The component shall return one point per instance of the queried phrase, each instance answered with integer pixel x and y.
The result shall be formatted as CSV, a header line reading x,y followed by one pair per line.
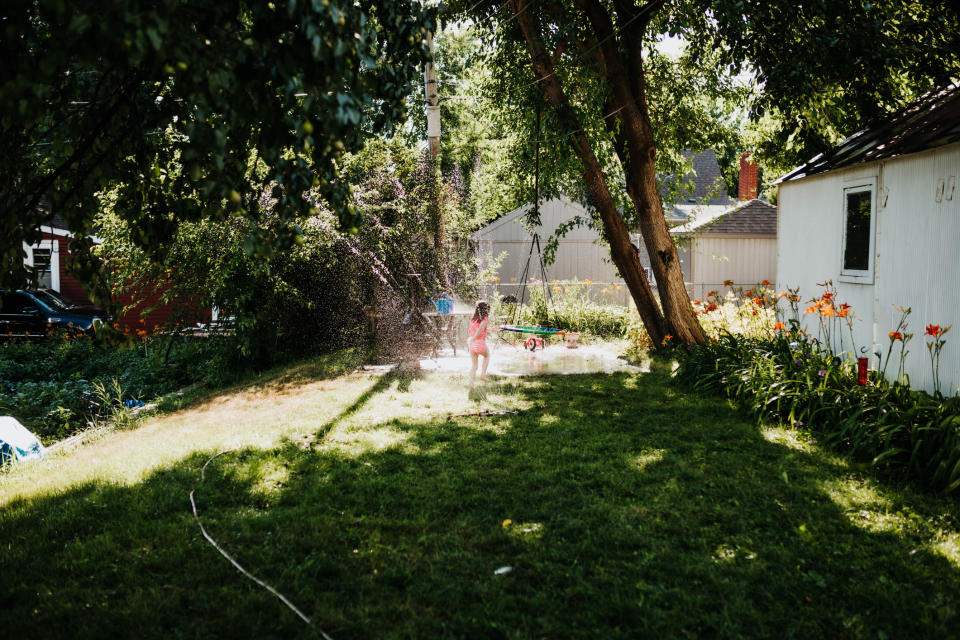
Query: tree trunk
x,y
624,254
637,152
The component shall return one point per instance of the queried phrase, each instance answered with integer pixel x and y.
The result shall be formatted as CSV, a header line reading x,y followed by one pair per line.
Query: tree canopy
x,y
184,106
820,68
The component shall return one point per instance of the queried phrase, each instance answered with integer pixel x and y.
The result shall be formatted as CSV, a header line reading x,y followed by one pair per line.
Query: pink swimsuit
x,y
478,343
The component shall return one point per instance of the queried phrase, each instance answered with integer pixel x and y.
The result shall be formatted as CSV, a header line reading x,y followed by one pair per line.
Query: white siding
x,y
916,261
719,257
581,253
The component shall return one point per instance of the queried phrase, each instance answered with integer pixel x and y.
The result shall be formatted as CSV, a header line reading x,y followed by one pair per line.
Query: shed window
x,y
858,225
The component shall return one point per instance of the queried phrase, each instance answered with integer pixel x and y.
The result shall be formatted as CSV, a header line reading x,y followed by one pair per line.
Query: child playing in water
x,y
477,342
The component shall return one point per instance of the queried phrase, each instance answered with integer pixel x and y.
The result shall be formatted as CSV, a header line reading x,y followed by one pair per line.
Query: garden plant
x,y
810,382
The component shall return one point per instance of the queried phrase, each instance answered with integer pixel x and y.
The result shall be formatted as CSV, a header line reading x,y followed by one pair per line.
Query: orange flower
x,y
712,307
811,310
827,312
667,338
827,295
697,302
779,326
757,302
782,294
766,283
728,283
895,335
711,294
843,313
933,330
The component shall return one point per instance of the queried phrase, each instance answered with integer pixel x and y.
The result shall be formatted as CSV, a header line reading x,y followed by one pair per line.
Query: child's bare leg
x,y
486,361
473,367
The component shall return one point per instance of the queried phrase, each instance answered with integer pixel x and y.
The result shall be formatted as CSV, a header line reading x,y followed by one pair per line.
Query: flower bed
x,y
811,382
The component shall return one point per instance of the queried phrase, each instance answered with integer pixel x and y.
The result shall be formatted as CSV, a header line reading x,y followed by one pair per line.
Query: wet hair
x,y
481,311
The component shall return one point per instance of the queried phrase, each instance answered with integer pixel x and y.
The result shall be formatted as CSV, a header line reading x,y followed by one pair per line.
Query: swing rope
x,y
535,240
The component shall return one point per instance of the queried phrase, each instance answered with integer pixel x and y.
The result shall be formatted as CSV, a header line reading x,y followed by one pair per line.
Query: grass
x,y
623,507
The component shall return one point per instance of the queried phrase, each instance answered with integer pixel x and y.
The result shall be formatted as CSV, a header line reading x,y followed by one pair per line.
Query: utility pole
x,y
433,134
433,103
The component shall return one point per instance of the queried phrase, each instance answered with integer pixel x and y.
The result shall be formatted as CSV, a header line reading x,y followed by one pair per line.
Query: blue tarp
x,y
17,443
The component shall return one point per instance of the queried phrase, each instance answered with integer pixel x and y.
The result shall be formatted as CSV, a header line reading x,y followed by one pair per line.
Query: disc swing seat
x,y
536,333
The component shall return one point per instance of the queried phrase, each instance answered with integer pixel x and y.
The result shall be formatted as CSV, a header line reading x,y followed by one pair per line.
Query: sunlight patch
x,y
355,443
863,505
648,457
272,478
786,437
948,546
725,554
523,530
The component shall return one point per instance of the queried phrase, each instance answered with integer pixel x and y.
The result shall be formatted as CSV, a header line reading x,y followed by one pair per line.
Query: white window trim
x,y
857,276
54,246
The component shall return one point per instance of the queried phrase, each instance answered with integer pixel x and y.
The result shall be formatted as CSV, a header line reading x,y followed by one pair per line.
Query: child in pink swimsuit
x,y
477,342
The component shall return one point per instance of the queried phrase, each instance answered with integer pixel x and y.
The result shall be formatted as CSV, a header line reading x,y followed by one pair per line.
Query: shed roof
x,y
931,121
754,217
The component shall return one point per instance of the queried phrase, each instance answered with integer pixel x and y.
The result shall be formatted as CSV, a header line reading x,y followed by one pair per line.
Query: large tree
x,y
183,108
822,68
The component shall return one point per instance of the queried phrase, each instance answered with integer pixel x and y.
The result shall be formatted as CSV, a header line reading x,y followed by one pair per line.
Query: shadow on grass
x,y
623,507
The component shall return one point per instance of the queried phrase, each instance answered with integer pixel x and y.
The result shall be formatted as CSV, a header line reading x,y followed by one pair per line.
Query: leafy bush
x,y
47,385
904,433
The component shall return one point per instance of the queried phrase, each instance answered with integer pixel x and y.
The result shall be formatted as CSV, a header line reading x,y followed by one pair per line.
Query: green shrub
x,y
907,434
47,385
570,308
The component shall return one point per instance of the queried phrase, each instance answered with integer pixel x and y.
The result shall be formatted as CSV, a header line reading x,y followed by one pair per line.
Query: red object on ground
x,y
862,371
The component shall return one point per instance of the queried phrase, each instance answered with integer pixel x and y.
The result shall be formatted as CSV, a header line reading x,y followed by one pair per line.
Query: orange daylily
x,y
895,335
779,326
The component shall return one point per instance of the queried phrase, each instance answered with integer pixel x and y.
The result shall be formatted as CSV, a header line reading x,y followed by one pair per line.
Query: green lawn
x,y
623,506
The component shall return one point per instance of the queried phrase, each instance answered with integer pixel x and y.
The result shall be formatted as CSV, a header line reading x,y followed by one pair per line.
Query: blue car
x,y
32,314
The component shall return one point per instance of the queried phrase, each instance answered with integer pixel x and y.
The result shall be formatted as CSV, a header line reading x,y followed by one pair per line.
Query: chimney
x,y
749,178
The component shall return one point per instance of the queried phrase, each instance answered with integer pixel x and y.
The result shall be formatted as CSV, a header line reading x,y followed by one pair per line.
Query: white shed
x,y
581,254
880,218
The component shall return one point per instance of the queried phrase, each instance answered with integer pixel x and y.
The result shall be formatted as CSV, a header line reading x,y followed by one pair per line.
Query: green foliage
x,y
903,433
49,385
168,102
570,307
296,300
825,71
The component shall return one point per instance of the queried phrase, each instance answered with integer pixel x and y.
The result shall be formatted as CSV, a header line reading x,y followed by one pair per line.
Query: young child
x,y
477,342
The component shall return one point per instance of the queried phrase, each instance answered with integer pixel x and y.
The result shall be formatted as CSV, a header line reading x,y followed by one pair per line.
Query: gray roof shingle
x,y
754,217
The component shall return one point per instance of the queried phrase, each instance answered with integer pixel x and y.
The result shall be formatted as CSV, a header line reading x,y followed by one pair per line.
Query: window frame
x,y
53,245
858,276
